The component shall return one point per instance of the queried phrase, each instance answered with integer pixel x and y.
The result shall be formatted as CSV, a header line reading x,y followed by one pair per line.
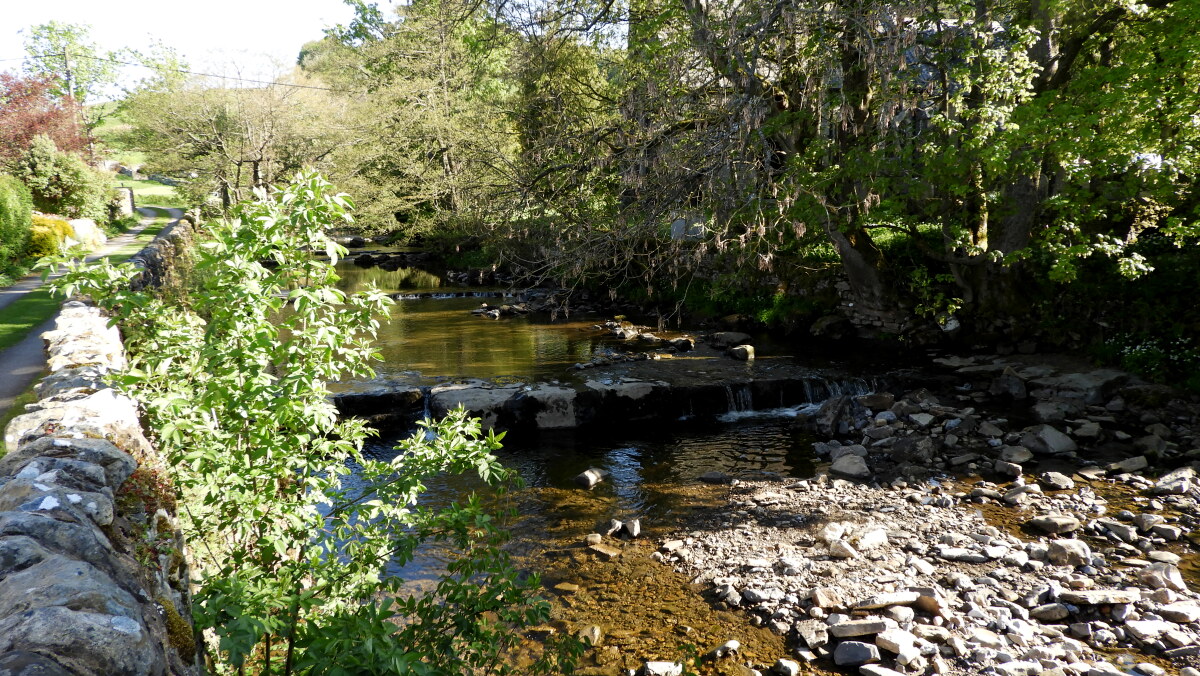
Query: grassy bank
x,y
35,307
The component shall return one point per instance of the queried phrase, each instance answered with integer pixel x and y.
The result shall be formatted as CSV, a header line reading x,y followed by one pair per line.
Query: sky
x,y
253,38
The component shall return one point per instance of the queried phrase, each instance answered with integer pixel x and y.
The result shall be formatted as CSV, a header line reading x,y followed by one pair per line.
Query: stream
x,y
643,610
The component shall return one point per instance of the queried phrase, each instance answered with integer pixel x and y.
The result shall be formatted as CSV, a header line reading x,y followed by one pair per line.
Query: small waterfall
x,y
739,400
427,403
427,411
817,390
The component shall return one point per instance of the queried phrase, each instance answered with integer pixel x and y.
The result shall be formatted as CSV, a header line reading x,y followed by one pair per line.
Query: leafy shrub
x,y
62,183
48,235
16,207
289,557
120,225
1171,360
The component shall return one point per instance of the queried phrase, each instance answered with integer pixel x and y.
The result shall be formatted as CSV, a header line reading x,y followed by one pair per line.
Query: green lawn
x,y
19,318
151,192
18,407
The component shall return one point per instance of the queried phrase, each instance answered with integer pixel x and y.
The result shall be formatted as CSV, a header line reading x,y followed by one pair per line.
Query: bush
x,y
62,183
48,235
289,557
16,208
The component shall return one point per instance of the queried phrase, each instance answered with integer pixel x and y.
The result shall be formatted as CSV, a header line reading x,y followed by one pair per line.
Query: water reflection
x,y
432,339
646,470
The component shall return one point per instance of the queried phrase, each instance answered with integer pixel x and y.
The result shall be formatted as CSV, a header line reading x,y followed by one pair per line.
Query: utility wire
x,y
173,70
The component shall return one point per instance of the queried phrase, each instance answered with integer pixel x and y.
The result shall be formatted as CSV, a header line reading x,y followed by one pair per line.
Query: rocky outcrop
x,y
93,574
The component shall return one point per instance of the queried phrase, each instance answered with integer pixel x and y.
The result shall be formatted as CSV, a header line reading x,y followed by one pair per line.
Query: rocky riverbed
x,y
945,538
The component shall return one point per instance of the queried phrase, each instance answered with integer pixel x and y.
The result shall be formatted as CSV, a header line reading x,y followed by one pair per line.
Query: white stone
x,y
842,550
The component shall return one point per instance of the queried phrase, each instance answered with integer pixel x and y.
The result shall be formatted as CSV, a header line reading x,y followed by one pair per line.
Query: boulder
x,y
742,352
105,414
850,467
855,653
1054,524
683,344
1015,454
84,642
1008,384
1047,440
1134,464
1050,612
1099,597
726,339
1162,576
814,633
117,465
1175,482
605,552
24,663
1090,388
1055,410
589,478
1056,481
1069,553
851,628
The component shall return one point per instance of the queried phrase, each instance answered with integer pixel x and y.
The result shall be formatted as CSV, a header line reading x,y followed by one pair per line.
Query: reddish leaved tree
x,y
29,108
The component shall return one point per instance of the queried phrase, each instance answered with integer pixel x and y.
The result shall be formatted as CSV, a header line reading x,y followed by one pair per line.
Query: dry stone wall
x,y
93,572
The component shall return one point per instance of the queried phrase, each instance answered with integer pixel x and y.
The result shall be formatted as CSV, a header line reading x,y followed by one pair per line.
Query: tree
x,y
81,72
429,141
234,139
16,208
971,133
290,558
62,183
29,108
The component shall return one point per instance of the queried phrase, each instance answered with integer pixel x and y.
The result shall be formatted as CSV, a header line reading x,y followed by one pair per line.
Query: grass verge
x,y
19,318
18,407
35,307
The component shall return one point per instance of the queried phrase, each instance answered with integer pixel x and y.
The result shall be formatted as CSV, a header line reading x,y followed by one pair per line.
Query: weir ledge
x,y
590,403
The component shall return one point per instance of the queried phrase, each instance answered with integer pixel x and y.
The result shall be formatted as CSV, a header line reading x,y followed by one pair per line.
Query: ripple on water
x,y
645,609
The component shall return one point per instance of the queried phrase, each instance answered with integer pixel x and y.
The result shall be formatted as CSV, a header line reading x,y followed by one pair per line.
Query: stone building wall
x,y
93,571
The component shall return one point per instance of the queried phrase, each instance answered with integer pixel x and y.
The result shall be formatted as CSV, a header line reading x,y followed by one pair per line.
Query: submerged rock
x,y
590,478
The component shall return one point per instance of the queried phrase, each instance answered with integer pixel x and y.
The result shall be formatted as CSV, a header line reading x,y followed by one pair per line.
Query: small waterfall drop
x,y
427,411
738,398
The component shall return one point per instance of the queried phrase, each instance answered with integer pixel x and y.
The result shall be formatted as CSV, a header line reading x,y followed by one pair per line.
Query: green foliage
x,y
48,236
933,295
1172,360
120,225
65,52
16,206
291,558
62,183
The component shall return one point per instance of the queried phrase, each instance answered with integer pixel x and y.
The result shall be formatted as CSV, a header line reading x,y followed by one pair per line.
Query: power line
x,y
173,70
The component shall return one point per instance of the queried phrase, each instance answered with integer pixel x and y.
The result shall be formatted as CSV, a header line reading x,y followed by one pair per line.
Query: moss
x,y
179,631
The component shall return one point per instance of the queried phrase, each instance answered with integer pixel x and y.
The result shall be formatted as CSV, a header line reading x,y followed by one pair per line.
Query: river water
x,y
644,609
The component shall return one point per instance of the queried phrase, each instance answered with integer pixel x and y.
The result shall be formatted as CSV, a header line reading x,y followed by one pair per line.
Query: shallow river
x,y
644,609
